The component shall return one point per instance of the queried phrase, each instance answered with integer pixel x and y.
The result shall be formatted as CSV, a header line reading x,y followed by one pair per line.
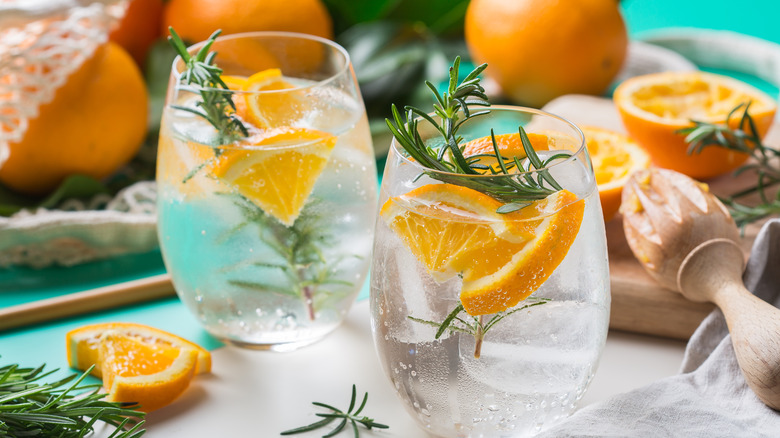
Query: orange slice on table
x,y
279,174
149,375
502,258
615,158
82,344
653,107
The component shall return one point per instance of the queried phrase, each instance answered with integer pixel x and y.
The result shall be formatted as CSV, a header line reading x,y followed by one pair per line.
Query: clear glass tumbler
x,y
268,237
491,323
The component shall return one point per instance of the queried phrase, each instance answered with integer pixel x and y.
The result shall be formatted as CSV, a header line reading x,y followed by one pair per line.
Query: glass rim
x,y
176,72
401,152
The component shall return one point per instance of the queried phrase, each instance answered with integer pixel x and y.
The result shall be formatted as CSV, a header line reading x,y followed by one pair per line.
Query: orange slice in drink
x,y
82,344
511,146
279,173
150,375
276,103
237,83
454,230
615,157
655,106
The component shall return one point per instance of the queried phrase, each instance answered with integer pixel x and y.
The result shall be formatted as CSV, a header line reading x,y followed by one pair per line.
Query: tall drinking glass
x,y
490,321
268,237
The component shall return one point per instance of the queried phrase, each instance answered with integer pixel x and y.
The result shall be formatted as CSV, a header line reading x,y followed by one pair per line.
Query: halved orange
x,y
502,258
653,107
279,171
149,375
82,344
615,157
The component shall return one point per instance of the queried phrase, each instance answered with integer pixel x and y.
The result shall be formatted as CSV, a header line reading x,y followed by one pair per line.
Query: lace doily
x,y
41,238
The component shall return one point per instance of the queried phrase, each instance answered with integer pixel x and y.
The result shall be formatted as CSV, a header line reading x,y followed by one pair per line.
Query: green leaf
x,y
347,13
442,17
73,187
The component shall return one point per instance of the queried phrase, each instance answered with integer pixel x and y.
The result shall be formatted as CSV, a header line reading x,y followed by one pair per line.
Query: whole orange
x,y
139,28
195,20
541,49
94,125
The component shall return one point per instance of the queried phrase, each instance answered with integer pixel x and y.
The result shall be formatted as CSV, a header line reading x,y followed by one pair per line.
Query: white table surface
x,y
259,394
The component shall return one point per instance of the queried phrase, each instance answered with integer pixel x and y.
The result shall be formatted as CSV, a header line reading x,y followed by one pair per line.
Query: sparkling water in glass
x,y
268,238
534,364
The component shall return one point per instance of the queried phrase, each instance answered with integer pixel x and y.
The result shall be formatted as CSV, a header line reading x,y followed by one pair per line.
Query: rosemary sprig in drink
x,y
453,110
346,416
473,325
216,104
61,408
744,139
300,257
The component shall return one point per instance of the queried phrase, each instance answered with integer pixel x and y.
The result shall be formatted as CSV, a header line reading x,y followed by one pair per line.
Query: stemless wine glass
x,y
491,323
268,237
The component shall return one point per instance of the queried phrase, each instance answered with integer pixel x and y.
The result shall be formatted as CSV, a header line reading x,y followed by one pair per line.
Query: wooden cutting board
x,y
639,304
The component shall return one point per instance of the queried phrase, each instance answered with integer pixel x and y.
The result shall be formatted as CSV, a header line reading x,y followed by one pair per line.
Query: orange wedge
x,y
150,375
653,107
615,157
511,146
276,103
279,174
82,344
454,230
237,83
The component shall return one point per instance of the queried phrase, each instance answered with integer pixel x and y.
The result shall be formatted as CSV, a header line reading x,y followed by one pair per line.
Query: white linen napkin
x,y
709,398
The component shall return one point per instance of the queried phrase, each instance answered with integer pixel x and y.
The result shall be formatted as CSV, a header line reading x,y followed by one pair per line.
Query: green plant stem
x,y
479,336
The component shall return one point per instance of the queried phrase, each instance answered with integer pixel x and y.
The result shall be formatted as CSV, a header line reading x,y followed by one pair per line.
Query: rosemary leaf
x,y
743,139
453,108
345,416
64,408
216,101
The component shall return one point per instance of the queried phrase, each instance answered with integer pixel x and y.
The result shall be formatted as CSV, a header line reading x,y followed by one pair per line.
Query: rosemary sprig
x,y
346,417
58,409
744,139
474,325
301,260
216,100
452,108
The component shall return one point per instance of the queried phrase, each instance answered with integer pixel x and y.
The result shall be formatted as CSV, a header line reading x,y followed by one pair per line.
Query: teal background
x,y
44,343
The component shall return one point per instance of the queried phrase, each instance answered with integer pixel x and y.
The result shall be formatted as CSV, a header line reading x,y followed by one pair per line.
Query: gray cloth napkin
x,y
710,397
